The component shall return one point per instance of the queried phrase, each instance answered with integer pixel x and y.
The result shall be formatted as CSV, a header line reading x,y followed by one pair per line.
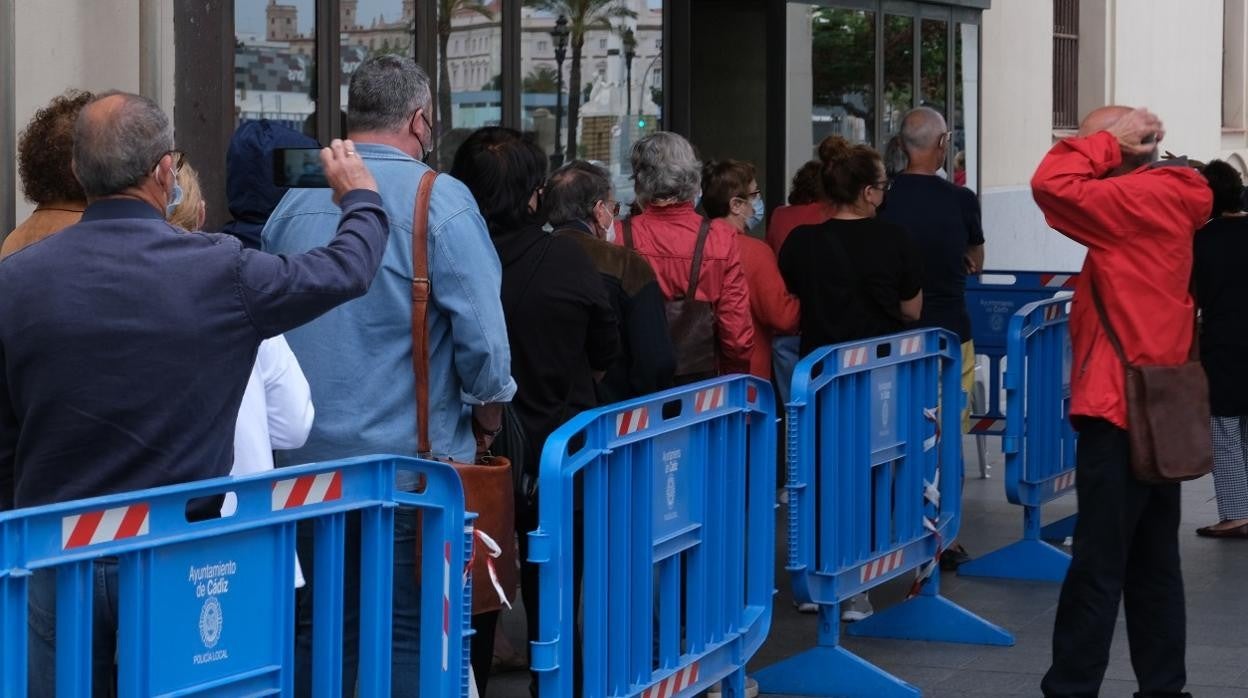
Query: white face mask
x,y
175,197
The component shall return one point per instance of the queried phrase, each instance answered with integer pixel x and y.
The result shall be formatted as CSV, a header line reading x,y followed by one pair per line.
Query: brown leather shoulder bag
x,y
690,322
488,483
1167,413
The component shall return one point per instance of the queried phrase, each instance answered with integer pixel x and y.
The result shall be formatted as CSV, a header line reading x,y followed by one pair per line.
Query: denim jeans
x,y
41,621
405,659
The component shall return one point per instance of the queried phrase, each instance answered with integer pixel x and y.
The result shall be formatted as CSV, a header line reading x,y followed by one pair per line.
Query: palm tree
x,y
447,9
583,16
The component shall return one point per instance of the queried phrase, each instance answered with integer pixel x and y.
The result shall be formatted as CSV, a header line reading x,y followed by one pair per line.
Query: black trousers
x,y
1126,548
526,520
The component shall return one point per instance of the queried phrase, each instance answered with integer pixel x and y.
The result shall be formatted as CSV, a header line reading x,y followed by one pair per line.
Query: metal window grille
x,y
1065,64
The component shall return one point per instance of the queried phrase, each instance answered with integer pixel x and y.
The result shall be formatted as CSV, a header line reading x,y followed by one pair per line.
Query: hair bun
x,y
834,148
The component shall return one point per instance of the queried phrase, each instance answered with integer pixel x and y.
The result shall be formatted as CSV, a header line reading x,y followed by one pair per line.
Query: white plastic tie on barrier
x,y
927,523
931,491
495,552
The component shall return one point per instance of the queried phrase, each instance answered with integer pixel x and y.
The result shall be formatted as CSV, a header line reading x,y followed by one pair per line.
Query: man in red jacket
x,y
1137,220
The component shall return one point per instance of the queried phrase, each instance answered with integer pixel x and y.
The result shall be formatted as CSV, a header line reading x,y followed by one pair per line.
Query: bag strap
x,y
628,233
695,270
1109,329
420,310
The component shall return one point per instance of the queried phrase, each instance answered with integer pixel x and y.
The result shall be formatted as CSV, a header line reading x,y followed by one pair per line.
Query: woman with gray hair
x,y
670,234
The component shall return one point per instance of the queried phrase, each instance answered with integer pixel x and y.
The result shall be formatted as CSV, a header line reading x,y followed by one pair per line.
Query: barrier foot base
x,y
832,671
1059,530
933,618
1029,560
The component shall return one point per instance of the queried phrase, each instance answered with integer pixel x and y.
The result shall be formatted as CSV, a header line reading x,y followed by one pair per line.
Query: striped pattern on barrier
x,y
989,424
1052,312
446,604
307,489
709,399
911,345
119,523
855,356
632,421
1058,280
880,566
1064,481
673,684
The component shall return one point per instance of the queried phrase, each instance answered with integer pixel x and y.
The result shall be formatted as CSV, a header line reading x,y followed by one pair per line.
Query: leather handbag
x,y
1167,413
488,483
690,322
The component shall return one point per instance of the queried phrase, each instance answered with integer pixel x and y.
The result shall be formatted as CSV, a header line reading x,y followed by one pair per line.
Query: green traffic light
x,y
641,123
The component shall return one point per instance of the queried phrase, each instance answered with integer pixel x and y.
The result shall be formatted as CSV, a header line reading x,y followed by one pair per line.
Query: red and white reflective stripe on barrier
x,y
632,421
709,399
307,489
1064,481
853,357
119,523
1056,280
988,424
911,345
1052,312
673,684
446,605
880,566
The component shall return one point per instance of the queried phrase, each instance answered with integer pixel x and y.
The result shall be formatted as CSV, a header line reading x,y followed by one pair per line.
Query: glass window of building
x,y
590,93
898,71
275,63
371,28
843,74
468,81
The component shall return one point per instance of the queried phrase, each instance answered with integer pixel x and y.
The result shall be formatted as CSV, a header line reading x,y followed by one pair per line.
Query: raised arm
x,y
283,292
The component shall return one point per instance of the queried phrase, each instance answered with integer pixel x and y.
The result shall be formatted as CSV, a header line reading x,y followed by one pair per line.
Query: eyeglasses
x,y
883,186
748,197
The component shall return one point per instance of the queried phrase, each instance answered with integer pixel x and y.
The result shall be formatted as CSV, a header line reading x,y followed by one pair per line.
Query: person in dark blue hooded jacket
x,y
249,176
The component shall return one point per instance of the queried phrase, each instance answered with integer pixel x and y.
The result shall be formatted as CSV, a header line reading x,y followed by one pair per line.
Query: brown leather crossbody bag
x,y
690,322
1167,413
488,483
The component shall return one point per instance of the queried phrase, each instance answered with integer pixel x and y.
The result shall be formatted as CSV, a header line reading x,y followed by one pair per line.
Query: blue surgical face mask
x,y
756,217
176,198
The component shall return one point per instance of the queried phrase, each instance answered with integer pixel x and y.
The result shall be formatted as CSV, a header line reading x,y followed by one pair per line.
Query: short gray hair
x,y
385,91
115,151
573,190
921,128
665,167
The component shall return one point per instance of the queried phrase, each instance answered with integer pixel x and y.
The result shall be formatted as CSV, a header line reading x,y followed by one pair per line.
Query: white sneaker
x,y
806,607
751,689
856,608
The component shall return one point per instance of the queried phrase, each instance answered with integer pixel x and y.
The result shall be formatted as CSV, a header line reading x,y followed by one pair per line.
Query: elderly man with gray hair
x,y
126,343
359,359
682,245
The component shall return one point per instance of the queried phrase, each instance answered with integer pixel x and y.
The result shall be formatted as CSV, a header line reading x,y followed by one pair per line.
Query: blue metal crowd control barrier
x,y
677,491
875,492
207,608
1039,442
992,299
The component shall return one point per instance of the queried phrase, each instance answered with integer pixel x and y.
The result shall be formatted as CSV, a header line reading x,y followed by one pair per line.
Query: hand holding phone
x,y
299,168
345,169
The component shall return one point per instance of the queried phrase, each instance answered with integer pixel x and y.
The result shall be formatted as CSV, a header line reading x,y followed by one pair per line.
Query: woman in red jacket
x,y
666,178
730,193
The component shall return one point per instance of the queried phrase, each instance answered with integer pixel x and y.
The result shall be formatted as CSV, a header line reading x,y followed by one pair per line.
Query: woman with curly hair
x,y
44,153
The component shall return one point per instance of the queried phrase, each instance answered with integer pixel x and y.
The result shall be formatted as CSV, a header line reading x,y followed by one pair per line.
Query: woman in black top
x,y
1221,254
560,324
856,276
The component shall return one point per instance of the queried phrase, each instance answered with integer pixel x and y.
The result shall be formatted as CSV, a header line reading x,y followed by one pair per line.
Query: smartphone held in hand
x,y
299,167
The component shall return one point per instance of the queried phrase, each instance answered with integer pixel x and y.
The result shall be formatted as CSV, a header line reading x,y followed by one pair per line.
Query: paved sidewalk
x,y
1217,608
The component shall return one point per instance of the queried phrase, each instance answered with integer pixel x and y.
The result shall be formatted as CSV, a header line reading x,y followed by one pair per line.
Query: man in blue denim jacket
x,y
358,358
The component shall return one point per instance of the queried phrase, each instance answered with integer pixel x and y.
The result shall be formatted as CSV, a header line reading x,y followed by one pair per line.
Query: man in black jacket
x,y
126,343
579,205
